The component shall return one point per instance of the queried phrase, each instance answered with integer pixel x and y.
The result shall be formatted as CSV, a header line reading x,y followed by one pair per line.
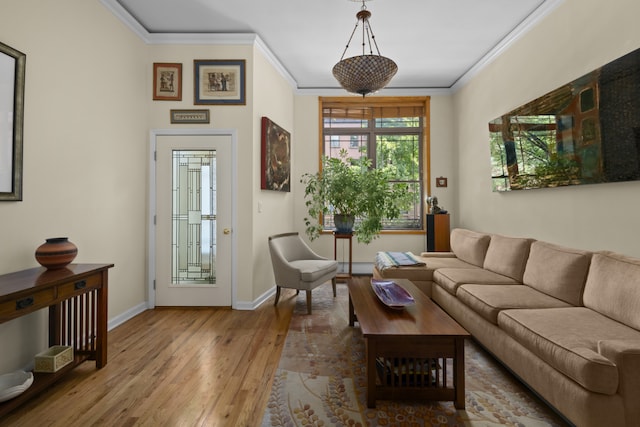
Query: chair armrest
x,y
305,252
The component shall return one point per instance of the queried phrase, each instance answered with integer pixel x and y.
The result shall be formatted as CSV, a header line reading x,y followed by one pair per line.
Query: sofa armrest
x,y
626,356
437,254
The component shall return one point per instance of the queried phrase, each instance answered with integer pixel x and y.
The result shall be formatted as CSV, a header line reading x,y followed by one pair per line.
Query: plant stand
x,y
349,238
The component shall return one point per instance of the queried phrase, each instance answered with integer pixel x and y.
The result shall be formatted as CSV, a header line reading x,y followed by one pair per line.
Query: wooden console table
x,y
77,300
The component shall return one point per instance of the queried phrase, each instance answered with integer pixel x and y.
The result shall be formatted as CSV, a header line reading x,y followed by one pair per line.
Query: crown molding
x,y
199,38
524,27
253,39
121,13
387,91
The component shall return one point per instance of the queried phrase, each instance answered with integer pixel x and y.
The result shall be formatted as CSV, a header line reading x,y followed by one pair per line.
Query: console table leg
x,y
102,313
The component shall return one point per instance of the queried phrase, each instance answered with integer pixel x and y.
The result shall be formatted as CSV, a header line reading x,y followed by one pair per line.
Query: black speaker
x,y
431,233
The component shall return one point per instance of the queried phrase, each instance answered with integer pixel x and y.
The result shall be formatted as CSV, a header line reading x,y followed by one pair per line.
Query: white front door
x,y
193,244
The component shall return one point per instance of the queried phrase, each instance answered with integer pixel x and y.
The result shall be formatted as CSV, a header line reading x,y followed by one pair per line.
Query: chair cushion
x,y
489,300
507,256
557,271
451,278
572,348
314,269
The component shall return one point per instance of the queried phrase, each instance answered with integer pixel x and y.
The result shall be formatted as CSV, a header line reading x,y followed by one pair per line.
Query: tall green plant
x,y
350,186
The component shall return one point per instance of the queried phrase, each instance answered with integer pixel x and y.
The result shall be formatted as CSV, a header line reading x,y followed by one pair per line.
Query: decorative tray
x,y
391,294
13,384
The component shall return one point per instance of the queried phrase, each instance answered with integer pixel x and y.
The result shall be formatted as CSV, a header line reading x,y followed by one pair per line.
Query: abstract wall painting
x,y
276,157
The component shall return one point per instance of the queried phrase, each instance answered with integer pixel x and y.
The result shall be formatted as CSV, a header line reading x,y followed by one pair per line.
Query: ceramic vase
x,y
56,252
344,223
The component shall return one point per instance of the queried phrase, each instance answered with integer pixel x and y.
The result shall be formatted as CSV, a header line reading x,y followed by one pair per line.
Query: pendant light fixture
x,y
369,72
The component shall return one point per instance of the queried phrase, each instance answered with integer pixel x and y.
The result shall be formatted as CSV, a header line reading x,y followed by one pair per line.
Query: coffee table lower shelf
x,y
414,353
415,369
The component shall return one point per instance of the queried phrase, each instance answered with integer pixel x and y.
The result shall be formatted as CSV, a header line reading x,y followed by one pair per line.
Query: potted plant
x,y
351,188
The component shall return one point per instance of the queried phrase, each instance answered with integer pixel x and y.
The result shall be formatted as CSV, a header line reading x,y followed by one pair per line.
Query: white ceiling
x,y
435,43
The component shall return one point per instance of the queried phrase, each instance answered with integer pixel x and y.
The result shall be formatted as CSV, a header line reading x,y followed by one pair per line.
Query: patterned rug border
x,y
321,381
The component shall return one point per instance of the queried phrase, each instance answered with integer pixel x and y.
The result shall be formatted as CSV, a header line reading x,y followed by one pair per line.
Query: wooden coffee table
x,y
413,353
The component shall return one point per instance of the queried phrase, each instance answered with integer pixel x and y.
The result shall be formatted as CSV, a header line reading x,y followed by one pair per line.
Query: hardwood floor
x,y
173,367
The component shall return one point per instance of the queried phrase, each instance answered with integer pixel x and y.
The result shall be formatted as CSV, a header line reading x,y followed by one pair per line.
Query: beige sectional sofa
x,y
566,321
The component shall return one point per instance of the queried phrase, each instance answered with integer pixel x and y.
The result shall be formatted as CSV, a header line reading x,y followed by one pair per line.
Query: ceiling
x,y
435,43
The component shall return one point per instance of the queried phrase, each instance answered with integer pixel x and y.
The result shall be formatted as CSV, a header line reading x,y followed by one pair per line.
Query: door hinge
x,y
154,284
155,156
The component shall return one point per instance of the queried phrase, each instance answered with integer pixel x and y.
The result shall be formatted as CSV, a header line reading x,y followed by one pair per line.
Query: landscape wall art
x,y
585,132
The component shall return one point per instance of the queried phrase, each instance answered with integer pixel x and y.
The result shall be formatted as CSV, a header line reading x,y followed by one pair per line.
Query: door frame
x,y
151,252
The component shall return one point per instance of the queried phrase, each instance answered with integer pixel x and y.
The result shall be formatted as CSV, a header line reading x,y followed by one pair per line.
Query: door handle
x,y
226,231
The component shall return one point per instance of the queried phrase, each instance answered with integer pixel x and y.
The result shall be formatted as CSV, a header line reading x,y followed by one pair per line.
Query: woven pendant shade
x,y
366,73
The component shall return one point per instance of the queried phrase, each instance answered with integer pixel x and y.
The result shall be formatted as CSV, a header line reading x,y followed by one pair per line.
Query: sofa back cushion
x,y
469,246
613,287
507,256
557,271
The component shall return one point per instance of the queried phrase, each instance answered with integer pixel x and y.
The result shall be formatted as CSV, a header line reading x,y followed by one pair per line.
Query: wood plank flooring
x,y
173,367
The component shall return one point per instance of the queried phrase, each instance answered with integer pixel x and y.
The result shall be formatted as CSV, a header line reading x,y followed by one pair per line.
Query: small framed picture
x,y
167,81
189,116
441,181
219,81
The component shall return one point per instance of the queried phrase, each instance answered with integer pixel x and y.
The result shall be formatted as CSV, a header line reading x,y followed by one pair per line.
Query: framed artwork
x,y
441,181
12,72
587,131
189,116
167,81
219,81
275,171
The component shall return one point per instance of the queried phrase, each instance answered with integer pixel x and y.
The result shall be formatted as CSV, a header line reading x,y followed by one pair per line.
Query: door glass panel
x,y
193,220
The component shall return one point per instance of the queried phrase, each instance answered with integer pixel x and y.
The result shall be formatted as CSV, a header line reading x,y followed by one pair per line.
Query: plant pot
x,y
56,253
344,223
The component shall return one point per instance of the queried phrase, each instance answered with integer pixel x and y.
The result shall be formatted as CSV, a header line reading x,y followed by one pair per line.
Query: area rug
x,y
321,381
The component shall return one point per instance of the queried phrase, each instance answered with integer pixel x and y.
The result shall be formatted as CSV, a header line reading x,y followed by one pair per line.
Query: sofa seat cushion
x,y
450,278
557,271
507,256
425,272
567,339
489,300
314,269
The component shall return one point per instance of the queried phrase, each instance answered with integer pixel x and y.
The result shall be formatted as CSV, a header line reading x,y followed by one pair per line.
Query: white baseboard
x,y
129,314
252,305
356,267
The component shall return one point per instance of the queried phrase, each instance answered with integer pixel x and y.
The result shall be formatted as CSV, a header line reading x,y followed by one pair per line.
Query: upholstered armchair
x,y
296,266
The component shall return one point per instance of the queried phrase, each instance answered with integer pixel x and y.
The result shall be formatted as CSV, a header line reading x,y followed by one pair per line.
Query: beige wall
x,y
88,112
271,211
85,139
578,37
